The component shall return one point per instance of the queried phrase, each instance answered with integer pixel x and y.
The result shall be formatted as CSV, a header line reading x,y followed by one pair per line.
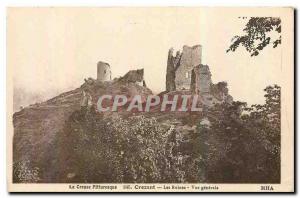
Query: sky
x,y
52,50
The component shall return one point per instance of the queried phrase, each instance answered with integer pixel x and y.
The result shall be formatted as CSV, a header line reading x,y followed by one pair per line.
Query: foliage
x,y
23,172
243,144
257,36
240,144
116,149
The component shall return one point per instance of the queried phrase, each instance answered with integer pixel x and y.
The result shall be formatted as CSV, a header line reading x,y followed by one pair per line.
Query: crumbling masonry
x,y
185,71
103,71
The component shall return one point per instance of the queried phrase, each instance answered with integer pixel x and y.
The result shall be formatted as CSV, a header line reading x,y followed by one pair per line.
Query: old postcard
x,y
150,99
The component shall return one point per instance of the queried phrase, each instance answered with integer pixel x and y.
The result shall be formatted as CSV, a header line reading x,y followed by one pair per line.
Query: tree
x,y
257,35
243,143
266,121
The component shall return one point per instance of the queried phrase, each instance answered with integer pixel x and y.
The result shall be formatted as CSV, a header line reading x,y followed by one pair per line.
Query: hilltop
x,y
67,138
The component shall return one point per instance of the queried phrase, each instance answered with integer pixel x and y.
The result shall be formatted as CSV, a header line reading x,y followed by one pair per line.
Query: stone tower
x,y
180,66
201,79
172,64
103,71
190,57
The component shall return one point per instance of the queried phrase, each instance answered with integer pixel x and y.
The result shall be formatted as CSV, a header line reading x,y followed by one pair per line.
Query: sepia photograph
x,y
150,99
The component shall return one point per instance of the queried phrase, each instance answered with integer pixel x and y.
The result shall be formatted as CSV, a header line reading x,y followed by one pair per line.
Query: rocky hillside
x,y
38,127
43,131
58,141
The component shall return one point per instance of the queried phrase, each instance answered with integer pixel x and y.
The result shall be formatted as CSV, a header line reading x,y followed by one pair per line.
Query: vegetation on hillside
x,y
239,144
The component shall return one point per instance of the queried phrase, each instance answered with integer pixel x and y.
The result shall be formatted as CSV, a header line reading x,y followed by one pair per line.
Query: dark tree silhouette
x,y
257,36
242,143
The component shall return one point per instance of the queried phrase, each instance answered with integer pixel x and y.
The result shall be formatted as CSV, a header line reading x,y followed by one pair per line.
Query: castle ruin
x,y
104,74
185,71
201,79
103,71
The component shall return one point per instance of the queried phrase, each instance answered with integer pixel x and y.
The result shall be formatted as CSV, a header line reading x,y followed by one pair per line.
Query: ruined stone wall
x,y
205,79
195,80
134,76
185,72
201,79
103,71
190,57
170,76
